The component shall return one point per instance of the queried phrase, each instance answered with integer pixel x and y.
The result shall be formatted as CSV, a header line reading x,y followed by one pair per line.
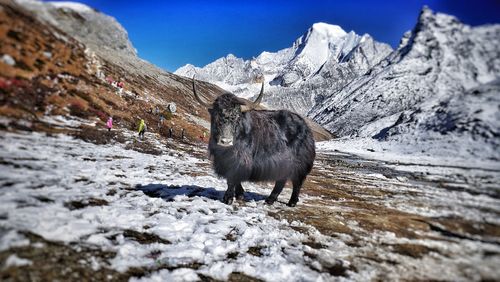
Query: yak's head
x,y
225,113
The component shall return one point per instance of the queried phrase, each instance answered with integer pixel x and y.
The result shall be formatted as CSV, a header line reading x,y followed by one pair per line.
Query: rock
x,y
7,59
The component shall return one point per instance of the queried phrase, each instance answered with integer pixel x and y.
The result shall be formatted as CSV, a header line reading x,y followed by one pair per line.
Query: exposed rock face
x,y
96,30
325,58
443,79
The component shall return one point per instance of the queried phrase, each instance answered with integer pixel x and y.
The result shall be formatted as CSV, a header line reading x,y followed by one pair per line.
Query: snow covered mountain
x,y
298,75
442,83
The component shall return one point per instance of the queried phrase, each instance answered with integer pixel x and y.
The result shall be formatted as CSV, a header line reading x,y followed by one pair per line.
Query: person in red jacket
x,y
109,123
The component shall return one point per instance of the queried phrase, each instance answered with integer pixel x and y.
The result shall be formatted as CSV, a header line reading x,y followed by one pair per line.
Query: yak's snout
x,y
225,139
226,142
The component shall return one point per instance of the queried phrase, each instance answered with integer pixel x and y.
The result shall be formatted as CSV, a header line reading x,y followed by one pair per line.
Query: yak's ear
x,y
245,108
244,104
241,101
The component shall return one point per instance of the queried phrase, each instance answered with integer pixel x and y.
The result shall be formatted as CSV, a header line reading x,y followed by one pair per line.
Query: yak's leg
x,y
239,191
297,184
278,187
229,195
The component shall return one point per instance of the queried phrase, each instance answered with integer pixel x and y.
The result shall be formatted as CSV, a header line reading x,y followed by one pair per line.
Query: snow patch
x,y
77,7
14,260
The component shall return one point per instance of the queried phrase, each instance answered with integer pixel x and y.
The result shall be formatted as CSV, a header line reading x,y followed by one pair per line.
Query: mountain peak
x,y
321,35
430,19
328,30
425,12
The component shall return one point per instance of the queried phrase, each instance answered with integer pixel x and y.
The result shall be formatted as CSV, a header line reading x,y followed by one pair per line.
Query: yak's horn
x,y
198,97
250,106
259,99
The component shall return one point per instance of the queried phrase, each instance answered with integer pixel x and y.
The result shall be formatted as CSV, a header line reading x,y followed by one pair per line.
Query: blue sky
x,y
171,34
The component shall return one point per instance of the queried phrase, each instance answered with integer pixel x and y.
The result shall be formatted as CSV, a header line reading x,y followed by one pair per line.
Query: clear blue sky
x,y
171,34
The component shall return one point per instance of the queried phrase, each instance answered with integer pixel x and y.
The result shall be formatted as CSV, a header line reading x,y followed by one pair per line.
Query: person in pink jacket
x,y
109,124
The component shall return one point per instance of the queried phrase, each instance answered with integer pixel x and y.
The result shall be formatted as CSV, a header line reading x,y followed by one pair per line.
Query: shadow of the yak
x,y
168,192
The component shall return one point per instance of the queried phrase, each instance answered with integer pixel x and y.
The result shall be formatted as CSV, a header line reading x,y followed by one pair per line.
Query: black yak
x,y
257,145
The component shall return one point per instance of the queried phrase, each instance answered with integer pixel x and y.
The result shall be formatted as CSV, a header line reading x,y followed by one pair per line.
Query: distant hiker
x,y
142,128
160,122
109,123
170,132
182,134
202,137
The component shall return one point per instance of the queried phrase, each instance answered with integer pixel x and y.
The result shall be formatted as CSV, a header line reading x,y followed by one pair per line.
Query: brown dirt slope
x,y
53,74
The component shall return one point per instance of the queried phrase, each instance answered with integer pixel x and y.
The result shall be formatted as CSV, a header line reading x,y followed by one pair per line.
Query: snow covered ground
x,y
45,179
162,213
427,153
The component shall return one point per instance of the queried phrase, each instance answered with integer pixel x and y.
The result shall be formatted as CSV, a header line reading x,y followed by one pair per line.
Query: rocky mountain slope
x,y
46,73
442,83
96,30
297,76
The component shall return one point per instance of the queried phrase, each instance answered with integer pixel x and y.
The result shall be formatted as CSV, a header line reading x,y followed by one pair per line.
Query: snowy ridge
x,y
77,7
321,43
441,84
296,76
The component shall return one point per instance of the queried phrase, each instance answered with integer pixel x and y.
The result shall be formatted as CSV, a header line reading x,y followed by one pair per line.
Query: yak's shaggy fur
x,y
265,146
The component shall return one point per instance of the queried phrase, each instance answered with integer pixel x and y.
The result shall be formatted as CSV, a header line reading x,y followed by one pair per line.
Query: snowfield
x,y
42,176
163,213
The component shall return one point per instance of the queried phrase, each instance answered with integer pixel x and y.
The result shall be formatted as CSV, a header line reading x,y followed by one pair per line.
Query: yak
x,y
257,145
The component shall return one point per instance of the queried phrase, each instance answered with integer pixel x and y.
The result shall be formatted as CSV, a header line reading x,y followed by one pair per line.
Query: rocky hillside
x,y
325,58
442,83
45,73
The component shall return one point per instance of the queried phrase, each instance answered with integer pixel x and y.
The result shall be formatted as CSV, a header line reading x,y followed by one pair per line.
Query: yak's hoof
x,y
291,204
240,197
270,200
227,200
